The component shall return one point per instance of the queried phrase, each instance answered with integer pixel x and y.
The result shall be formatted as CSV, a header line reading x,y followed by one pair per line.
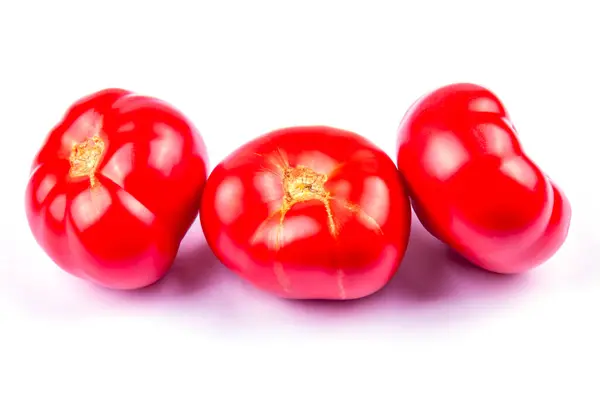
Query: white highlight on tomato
x,y
229,200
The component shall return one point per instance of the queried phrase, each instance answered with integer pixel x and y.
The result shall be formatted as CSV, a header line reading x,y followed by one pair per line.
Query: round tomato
x,y
308,213
473,186
115,187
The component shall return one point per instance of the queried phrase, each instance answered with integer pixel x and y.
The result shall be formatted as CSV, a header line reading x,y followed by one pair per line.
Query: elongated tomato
x,y
472,184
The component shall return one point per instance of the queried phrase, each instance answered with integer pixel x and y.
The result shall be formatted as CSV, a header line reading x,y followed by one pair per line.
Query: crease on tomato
x,y
554,232
300,184
43,184
532,245
88,206
47,191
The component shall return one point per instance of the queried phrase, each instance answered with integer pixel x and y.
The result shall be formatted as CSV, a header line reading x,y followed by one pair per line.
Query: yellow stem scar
x,y
85,157
301,184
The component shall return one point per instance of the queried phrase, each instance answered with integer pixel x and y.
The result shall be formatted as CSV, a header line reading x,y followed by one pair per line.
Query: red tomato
x,y
473,186
308,213
115,187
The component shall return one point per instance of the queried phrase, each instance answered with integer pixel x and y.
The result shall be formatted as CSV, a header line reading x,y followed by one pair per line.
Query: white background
x,y
240,69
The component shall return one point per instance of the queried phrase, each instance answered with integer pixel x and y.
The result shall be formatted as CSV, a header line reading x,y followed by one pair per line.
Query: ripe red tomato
x,y
473,186
115,187
308,213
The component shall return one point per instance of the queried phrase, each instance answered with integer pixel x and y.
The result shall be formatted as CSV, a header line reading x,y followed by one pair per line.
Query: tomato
x,y
473,186
308,213
115,187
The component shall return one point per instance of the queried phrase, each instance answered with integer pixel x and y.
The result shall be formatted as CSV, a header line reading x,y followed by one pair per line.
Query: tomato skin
x,y
347,251
473,187
119,226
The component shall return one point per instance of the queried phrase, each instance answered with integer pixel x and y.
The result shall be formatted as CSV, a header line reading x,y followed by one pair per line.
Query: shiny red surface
x,y
304,257
473,186
123,232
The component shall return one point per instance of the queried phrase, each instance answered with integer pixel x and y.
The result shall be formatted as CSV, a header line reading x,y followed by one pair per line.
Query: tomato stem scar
x,y
302,184
85,157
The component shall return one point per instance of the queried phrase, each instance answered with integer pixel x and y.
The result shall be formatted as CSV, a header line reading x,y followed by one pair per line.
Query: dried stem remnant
x,y
85,157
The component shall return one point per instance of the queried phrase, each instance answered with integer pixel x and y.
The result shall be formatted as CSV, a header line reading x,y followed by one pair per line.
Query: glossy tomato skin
x,y
308,213
472,185
115,187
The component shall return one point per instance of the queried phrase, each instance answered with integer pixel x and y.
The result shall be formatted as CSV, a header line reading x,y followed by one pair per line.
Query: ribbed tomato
x,y
115,187
473,186
308,213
